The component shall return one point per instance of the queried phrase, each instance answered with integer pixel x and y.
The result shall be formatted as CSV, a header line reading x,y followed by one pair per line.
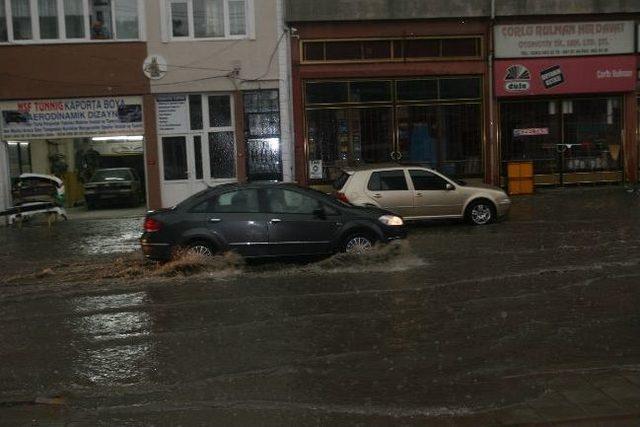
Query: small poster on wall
x,y
315,169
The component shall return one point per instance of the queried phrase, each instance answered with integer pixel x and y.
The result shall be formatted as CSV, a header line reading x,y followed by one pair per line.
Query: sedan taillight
x,y
151,225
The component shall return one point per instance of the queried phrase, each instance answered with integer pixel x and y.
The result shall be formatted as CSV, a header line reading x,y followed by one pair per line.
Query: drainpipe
x,y
492,127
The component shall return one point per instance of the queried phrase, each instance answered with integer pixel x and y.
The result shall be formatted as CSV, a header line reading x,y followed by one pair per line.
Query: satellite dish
x,y
154,67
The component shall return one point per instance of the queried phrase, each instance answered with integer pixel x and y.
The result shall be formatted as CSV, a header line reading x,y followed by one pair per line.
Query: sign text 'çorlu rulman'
x,y
564,39
69,118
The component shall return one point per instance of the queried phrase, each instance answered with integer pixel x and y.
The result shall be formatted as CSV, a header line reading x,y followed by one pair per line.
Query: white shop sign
x,y
564,39
172,113
69,118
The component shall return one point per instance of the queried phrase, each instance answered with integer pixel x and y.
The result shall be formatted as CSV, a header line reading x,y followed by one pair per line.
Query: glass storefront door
x,y
568,141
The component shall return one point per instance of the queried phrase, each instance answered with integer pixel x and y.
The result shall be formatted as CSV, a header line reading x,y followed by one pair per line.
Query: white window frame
x,y
167,24
204,141
62,30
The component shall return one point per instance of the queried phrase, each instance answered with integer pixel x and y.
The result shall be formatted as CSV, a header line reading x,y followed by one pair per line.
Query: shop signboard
x,y
564,39
558,76
172,113
71,118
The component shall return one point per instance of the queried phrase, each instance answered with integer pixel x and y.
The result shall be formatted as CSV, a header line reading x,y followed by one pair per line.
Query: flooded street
x,y
518,322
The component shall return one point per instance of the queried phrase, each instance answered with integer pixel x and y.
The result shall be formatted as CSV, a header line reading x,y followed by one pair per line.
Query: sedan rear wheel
x,y
358,243
200,248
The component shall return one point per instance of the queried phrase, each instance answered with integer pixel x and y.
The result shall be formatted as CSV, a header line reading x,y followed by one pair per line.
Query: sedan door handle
x,y
215,220
273,220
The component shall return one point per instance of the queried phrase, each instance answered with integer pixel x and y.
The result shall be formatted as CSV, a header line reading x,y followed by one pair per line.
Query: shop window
x,y
444,134
65,20
197,151
461,47
209,19
338,51
459,88
388,181
376,50
210,140
392,49
429,48
195,112
174,154
219,111
414,90
370,91
446,137
327,92
222,155
313,51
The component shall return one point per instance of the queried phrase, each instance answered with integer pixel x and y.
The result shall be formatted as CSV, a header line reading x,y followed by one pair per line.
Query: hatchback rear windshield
x,y
112,175
341,181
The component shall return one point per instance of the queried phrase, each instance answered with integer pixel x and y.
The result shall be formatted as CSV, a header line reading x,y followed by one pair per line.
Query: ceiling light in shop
x,y
118,138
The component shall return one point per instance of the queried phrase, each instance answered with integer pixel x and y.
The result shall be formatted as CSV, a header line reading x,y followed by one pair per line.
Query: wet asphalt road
x,y
466,320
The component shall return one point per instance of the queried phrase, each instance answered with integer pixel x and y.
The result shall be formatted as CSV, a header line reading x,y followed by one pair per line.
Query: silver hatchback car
x,y
418,193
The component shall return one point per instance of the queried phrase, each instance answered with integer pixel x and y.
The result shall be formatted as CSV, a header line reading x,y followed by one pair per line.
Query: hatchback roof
x,y
373,166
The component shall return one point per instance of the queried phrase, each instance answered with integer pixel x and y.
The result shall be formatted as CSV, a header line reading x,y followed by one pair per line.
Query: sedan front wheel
x,y
358,243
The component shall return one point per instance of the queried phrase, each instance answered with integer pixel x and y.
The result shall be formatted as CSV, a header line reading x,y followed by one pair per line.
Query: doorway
x,y
569,141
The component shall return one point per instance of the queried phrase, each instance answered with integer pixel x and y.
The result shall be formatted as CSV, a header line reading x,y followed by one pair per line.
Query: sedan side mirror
x,y
449,187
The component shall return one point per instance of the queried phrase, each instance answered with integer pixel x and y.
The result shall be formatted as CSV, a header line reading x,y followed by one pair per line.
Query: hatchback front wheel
x,y
481,212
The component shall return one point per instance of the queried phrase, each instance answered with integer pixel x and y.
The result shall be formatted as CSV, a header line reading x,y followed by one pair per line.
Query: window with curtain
x,y
21,20
126,13
62,20
74,19
237,18
208,18
100,17
48,19
203,19
3,23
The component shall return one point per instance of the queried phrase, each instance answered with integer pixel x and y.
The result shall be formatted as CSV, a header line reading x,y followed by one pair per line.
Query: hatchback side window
x,y
291,202
423,180
388,181
239,201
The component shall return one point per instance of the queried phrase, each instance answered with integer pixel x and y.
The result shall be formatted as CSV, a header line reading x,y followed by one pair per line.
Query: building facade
x,y
71,88
222,107
467,87
189,93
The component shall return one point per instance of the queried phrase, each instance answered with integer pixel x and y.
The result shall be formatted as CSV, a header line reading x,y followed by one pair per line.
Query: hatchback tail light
x,y
342,196
151,225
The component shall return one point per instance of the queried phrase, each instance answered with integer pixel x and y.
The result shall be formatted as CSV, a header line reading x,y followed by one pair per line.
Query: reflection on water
x,y
126,241
114,345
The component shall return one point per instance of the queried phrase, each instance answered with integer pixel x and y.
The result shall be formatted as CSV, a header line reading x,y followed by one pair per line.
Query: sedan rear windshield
x,y
112,175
